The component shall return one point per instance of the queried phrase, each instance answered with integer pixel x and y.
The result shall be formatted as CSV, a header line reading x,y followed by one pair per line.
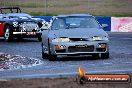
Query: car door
x,y
45,38
2,24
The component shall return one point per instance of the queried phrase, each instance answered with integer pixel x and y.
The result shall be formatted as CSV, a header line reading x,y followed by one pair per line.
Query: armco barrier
x,y
115,24
101,20
121,24
46,18
104,20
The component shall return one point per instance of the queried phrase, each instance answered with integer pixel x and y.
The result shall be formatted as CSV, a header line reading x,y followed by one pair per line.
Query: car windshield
x,y
19,15
74,22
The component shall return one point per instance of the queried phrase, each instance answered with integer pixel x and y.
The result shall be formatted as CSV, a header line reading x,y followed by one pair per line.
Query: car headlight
x,y
36,27
105,38
15,24
61,40
99,38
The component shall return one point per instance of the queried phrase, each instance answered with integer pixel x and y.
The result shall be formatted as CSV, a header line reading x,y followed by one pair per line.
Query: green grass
x,y
42,14
27,5
93,13
116,14
55,7
37,5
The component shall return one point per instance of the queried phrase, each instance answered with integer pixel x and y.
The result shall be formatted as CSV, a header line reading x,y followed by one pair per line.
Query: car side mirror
x,y
45,27
104,25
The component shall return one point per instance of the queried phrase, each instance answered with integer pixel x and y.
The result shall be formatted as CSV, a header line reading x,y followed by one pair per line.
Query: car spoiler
x,y
11,9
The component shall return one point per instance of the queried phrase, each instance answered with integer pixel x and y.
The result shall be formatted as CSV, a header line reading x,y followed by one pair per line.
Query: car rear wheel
x,y
8,36
105,55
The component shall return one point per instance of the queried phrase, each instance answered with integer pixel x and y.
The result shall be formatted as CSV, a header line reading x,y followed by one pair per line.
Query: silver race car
x,y
74,35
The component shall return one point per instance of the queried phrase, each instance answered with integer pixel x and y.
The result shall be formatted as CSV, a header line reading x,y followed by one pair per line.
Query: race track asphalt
x,y
120,60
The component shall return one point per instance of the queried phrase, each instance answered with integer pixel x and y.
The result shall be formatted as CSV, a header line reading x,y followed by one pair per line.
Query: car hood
x,y
79,32
20,19
25,20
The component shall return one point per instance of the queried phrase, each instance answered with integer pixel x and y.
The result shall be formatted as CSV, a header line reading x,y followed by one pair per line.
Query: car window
x,y
74,22
82,22
19,15
58,24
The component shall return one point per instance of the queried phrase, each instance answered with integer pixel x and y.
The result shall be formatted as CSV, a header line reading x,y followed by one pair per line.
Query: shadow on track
x,y
22,40
77,58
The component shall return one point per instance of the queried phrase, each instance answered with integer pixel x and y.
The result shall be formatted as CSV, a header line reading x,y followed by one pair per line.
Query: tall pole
x,y
45,7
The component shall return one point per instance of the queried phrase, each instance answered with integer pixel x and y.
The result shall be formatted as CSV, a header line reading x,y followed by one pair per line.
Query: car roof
x,y
73,15
68,15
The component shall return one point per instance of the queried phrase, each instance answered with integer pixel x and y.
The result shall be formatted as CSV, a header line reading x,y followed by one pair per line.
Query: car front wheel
x,y
95,55
51,57
45,56
8,36
105,55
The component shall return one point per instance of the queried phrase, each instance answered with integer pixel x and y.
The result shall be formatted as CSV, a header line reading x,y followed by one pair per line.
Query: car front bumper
x,y
27,34
78,48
